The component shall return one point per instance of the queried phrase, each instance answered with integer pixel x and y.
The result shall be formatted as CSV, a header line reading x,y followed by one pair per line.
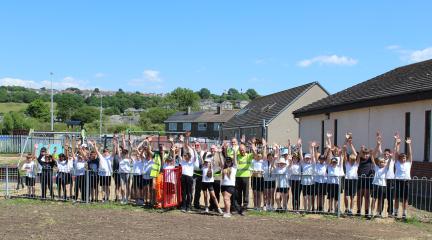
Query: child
x,y
187,165
282,174
402,176
257,179
79,166
320,180
228,185
379,184
207,183
137,180
147,178
63,175
93,166
29,168
269,180
295,175
334,173
307,166
105,168
351,178
124,172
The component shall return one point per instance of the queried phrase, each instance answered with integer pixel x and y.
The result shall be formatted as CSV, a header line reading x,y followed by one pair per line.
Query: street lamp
x,y
52,102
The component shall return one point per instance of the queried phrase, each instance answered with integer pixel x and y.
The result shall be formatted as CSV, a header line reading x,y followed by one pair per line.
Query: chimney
x,y
219,110
188,112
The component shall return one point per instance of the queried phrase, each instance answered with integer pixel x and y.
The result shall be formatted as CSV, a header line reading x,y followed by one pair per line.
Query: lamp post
x,y
100,116
52,102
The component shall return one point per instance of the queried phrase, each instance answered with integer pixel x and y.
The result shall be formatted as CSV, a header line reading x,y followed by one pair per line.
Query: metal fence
x,y
281,193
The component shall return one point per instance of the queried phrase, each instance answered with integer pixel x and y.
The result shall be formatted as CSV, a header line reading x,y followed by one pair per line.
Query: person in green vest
x,y
244,161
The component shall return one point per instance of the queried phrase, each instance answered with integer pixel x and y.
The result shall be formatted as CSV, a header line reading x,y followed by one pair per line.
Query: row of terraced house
x,y
398,100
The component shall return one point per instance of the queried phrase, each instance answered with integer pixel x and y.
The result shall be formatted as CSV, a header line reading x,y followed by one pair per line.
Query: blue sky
x,y
156,46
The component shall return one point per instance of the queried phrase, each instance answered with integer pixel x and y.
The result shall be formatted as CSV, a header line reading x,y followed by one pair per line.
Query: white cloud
x,y
328,60
66,82
421,55
150,80
9,81
99,75
260,61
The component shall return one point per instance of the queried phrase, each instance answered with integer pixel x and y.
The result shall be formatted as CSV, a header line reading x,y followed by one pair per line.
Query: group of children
x,y
276,173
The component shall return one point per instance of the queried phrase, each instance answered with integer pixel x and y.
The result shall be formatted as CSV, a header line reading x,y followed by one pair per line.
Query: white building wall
x,y
364,123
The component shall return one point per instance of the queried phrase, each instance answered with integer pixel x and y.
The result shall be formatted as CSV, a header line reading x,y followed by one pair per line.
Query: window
x,y
335,132
427,141
216,126
202,126
322,137
407,128
172,127
187,126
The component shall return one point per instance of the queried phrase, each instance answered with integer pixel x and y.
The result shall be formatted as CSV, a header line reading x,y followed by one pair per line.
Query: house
x,y
271,116
133,111
208,105
241,104
398,100
205,124
227,105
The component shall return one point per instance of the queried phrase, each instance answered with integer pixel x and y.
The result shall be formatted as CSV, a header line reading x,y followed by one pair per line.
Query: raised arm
x,y
300,149
312,151
396,145
377,151
409,152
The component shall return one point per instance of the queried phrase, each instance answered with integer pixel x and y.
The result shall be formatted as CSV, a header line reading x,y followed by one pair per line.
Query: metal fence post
x,y
87,184
7,181
339,196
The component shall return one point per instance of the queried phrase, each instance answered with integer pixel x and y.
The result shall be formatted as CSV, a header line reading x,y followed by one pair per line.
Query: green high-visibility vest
x,y
155,170
244,164
230,151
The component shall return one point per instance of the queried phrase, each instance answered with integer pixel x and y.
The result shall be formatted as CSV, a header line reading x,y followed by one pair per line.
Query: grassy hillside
x,y
14,107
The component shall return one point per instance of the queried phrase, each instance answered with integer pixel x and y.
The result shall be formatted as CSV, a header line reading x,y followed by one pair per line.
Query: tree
x,y
204,93
252,94
8,122
157,115
68,104
86,114
182,98
38,109
96,91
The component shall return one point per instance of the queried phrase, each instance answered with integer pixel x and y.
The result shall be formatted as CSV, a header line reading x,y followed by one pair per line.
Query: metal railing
x,y
312,194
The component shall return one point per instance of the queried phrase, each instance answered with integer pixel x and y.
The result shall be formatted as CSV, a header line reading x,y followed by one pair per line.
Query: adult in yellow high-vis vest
x,y
244,161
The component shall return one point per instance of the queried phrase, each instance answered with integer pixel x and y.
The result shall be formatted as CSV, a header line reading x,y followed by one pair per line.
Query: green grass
x,y
12,107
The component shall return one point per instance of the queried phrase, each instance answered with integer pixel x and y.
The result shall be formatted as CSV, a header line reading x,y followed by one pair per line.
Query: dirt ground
x,y
33,219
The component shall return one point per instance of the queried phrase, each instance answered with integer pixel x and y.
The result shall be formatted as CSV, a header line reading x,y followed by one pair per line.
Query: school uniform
x,y
137,179
46,176
187,182
295,172
105,170
307,179
320,179
63,176
351,179
207,179
402,177
282,176
365,174
30,176
124,170
333,181
257,167
390,175
146,172
80,178
93,167
379,184
269,176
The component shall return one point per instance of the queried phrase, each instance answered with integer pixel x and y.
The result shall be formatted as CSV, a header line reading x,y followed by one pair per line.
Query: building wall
x,y
364,123
285,126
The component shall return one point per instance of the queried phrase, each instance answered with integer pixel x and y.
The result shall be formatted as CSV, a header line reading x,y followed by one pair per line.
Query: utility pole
x,y
52,102
100,115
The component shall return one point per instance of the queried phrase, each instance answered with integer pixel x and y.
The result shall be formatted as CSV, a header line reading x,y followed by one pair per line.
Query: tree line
x,y
73,105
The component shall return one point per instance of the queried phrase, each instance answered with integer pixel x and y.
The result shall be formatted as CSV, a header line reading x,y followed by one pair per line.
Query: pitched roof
x,y
203,116
267,107
408,83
